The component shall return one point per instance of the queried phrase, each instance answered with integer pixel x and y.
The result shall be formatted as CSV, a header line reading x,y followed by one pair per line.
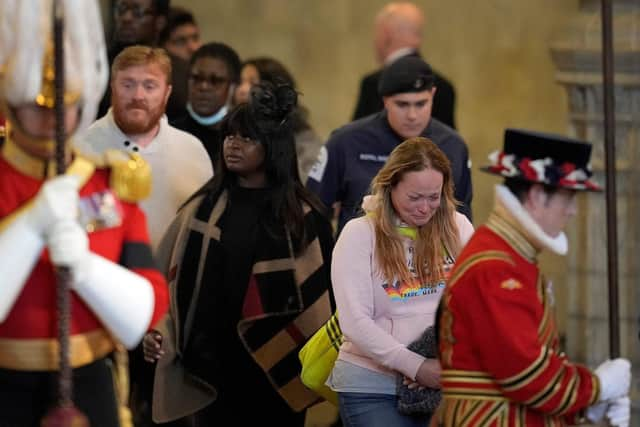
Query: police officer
x,y
355,152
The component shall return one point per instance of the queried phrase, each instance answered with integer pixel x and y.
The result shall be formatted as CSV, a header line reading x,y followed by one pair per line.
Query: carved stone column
x,y
577,55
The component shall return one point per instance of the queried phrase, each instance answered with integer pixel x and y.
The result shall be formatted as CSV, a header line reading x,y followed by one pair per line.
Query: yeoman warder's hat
x,y
544,158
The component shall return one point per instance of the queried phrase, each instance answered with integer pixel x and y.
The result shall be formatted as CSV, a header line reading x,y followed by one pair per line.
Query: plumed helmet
x,y
26,50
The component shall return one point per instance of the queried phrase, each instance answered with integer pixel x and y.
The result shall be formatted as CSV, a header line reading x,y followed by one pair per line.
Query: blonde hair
x,y
137,55
413,155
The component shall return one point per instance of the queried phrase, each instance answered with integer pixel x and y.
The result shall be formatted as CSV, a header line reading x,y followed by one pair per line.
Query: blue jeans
x,y
375,410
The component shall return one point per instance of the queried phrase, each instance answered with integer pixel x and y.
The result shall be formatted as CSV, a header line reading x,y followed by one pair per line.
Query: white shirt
x,y
179,164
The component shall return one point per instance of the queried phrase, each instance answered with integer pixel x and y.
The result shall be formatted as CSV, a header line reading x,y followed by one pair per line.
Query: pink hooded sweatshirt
x,y
379,319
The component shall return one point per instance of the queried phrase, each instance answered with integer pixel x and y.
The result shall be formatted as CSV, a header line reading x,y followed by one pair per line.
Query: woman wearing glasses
x,y
214,70
248,262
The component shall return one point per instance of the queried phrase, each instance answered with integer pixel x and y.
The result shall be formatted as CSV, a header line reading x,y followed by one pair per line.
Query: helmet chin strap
x,y
39,146
44,148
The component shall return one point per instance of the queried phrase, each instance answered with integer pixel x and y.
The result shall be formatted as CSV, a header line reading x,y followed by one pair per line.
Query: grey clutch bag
x,y
424,401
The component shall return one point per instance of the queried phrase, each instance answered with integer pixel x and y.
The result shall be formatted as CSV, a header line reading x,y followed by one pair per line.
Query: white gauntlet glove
x,y
121,299
595,413
69,246
57,200
615,378
619,412
22,241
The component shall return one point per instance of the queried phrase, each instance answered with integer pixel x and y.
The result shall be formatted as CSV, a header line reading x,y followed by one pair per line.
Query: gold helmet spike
x,y
46,97
27,60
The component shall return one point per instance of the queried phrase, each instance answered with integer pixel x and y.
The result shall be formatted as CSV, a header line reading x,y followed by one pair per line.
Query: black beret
x,y
407,74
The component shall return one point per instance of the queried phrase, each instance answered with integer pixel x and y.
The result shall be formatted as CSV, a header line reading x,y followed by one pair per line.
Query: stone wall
x,y
578,57
496,52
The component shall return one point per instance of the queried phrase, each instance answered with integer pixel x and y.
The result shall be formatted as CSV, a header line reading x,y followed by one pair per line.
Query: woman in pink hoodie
x,y
388,272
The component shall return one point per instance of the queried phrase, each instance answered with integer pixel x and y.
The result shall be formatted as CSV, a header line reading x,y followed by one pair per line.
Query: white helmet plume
x,y
26,31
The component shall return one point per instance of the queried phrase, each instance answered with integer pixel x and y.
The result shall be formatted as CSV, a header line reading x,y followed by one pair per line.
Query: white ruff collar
x,y
507,200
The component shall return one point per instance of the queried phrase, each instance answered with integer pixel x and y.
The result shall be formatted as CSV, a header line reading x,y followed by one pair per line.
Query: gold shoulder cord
x,y
130,175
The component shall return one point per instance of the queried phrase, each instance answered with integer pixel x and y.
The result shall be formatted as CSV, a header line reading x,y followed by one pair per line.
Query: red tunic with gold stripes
x,y
28,335
498,341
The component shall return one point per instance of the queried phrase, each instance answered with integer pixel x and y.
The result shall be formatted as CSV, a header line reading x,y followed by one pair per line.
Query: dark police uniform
x,y
355,153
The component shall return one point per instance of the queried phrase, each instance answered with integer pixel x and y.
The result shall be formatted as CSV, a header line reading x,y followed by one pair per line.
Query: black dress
x,y
245,395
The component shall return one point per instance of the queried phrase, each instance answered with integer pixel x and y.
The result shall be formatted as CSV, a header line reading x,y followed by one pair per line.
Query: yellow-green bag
x,y
319,355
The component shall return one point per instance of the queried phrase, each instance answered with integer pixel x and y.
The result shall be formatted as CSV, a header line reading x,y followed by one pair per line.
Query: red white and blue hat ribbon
x,y
545,171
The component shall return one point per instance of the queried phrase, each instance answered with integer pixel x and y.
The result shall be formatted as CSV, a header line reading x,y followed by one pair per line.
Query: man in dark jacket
x,y
398,33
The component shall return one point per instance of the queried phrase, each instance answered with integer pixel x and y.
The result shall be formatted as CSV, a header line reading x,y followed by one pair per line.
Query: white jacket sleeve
x,y
23,239
121,299
20,248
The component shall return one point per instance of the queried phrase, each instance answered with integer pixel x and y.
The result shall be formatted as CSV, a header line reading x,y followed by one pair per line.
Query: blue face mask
x,y
209,120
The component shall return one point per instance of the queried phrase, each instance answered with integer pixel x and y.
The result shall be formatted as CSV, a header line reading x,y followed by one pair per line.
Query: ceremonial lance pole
x,y
610,169
65,414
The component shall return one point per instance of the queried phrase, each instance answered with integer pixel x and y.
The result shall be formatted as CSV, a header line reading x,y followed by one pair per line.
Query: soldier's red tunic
x,y
498,341
32,324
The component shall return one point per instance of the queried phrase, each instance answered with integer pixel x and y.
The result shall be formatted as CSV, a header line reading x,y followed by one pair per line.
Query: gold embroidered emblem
x,y
130,176
511,284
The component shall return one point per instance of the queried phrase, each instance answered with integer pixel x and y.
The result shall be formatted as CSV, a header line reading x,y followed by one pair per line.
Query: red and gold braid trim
x,y
463,267
459,271
455,412
543,396
530,373
511,234
595,389
458,384
570,394
547,332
